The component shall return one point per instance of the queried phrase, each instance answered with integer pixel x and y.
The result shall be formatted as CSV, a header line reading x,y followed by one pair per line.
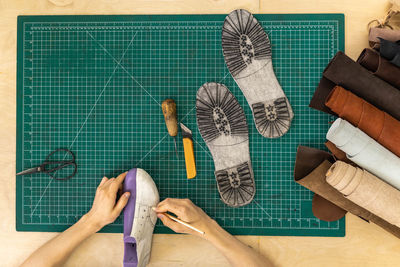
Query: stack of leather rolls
x,y
361,175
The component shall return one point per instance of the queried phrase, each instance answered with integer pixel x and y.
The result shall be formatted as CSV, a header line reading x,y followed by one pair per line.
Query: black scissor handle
x,y
58,150
50,173
62,164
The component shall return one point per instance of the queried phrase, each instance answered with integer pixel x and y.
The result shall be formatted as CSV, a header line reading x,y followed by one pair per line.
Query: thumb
x,y
123,200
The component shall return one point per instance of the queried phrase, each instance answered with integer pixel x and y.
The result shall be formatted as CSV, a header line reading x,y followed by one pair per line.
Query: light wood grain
x,y
364,245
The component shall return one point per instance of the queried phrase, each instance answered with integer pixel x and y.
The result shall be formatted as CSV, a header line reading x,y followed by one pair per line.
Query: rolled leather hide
x,y
365,152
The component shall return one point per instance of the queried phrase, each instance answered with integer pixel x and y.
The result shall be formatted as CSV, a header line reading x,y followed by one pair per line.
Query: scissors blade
x,y
29,171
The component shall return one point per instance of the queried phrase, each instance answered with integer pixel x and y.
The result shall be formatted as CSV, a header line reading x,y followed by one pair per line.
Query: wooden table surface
x,y
364,245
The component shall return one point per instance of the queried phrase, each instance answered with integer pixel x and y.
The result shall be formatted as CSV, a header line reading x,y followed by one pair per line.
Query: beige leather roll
x,y
366,190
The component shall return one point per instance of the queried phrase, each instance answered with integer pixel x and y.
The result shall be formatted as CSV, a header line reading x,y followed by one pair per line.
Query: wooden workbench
x,y
364,245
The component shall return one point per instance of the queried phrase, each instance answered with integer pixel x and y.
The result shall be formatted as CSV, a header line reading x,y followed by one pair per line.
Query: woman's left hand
x,y
104,210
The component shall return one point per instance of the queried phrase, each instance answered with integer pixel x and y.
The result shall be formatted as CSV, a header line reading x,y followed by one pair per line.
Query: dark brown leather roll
x,y
310,171
324,88
343,71
379,125
380,67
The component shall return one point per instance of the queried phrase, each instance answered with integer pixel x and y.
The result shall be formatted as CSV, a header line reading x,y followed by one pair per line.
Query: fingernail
x,y
153,208
127,194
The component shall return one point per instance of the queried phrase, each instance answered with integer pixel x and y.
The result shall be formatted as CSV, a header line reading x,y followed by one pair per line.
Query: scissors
x,y
59,164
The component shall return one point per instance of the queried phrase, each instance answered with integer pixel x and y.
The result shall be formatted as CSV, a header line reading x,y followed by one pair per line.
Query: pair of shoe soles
x,y
221,119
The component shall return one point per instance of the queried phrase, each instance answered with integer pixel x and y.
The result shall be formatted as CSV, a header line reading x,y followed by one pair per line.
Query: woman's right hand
x,y
237,253
187,212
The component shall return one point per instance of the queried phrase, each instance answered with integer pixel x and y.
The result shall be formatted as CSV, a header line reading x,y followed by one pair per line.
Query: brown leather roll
x,y
304,165
380,67
343,71
379,125
310,170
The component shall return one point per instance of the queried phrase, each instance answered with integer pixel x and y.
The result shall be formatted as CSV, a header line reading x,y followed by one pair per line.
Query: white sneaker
x,y
139,218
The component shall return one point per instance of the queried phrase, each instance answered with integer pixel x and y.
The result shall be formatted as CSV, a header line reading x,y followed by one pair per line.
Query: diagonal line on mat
x,y
159,142
224,77
187,114
90,113
122,67
262,208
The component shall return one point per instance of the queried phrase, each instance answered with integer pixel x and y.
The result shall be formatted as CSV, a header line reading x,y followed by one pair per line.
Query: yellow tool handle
x,y
189,158
169,110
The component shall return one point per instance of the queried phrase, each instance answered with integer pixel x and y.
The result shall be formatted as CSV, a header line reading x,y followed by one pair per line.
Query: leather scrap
x,y
385,33
337,153
325,210
390,51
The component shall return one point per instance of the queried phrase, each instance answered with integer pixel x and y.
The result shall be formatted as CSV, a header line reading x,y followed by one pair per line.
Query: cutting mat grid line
x,y
95,86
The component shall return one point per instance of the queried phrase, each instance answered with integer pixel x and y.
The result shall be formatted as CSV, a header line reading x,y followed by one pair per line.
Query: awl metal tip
x,y
176,150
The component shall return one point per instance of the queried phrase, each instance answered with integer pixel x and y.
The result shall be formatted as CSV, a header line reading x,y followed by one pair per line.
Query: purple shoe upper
x,y
130,253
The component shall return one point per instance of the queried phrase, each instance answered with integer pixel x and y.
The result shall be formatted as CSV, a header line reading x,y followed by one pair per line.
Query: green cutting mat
x,y
94,84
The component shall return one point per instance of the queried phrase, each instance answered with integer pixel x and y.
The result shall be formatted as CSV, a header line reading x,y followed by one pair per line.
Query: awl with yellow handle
x,y
188,149
169,111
